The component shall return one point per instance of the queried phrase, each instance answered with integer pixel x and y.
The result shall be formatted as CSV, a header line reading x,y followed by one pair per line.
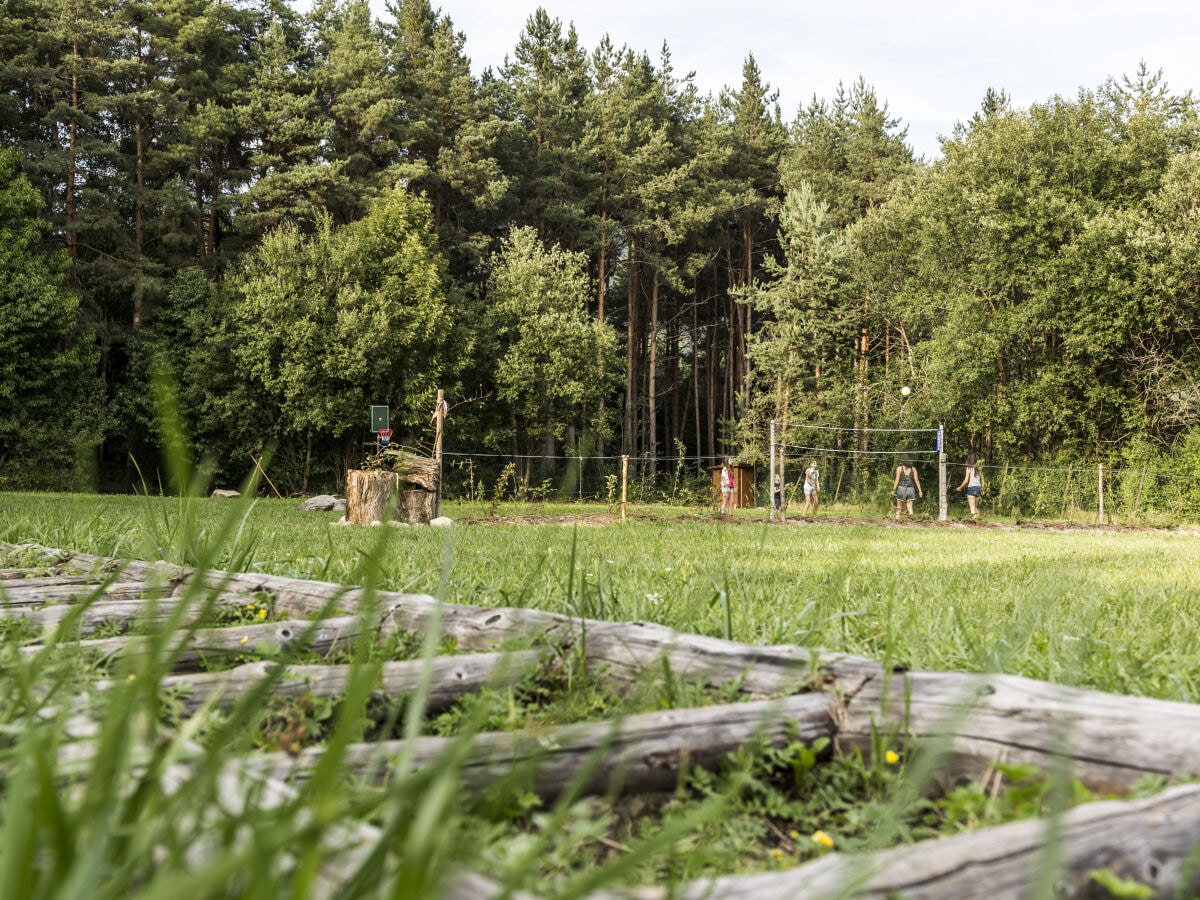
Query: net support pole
x,y
771,489
624,481
1101,493
943,506
783,497
439,415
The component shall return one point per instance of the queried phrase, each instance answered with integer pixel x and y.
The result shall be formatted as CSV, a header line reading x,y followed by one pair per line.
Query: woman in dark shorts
x,y
973,482
907,486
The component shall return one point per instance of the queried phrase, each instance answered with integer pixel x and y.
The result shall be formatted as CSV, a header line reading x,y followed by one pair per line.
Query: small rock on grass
x,y
441,522
322,502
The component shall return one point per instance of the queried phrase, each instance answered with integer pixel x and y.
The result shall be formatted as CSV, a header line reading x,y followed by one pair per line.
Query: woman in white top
x,y
727,497
812,488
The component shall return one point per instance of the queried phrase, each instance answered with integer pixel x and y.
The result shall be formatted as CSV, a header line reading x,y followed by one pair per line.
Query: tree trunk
x,y
651,379
696,367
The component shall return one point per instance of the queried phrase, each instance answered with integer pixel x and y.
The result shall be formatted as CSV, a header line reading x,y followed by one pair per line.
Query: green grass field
x,y
1116,611
1111,610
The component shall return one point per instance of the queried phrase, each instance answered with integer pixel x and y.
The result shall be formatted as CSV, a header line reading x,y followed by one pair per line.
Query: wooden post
x,y
943,502
771,475
439,414
624,481
1101,493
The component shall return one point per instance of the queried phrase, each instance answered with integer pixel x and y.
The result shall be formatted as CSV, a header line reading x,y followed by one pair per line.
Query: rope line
x,y
838,452
863,430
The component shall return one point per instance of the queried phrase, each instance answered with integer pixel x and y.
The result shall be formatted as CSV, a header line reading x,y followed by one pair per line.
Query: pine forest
x,y
238,225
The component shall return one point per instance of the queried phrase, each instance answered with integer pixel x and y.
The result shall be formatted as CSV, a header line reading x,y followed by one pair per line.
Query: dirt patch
x,y
601,520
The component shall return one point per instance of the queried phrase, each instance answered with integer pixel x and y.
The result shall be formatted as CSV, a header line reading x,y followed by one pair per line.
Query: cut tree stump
x,y
405,493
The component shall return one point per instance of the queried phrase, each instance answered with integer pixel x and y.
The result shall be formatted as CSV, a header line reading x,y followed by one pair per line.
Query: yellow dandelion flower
x,y
794,835
777,854
244,639
262,613
891,757
820,837
132,677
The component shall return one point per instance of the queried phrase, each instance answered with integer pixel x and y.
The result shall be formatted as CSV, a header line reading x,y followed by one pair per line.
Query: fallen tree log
x,y
33,595
194,649
449,679
1154,842
119,613
1109,741
638,753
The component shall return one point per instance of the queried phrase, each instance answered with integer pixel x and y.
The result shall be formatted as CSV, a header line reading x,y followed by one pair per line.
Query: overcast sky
x,y
931,61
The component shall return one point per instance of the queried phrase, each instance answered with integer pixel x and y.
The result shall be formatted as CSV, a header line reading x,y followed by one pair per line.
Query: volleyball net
x,y
857,464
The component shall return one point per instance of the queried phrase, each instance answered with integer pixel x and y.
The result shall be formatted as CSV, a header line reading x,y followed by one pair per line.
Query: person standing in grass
x,y
907,486
973,482
727,497
812,489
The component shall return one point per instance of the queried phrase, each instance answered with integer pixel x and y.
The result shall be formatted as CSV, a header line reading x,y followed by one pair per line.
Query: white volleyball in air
x,y
906,390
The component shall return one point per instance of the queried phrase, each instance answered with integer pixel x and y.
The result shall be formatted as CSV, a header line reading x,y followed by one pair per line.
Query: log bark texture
x,y
404,495
1108,741
450,678
1151,841
640,753
372,496
192,650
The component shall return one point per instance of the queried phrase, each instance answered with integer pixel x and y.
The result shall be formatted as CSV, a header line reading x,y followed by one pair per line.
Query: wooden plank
x,y
639,753
1151,841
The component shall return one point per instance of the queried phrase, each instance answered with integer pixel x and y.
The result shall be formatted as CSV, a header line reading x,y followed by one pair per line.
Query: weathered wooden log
x,y
416,506
450,678
8,582
639,753
120,613
1012,718
1108,741
379,495
35,595
1152,841
203,645
418,471
626,651
372,496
